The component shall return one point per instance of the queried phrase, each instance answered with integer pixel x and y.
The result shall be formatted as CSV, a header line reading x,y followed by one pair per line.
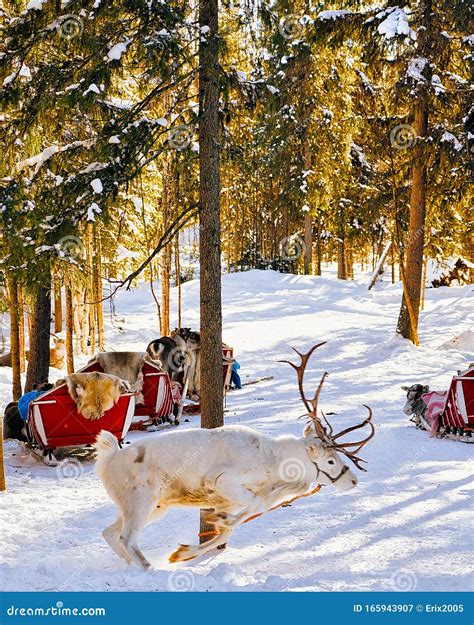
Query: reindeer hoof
x,y
181,554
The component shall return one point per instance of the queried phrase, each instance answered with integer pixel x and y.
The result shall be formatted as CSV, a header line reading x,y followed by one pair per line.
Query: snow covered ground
x,y
408,524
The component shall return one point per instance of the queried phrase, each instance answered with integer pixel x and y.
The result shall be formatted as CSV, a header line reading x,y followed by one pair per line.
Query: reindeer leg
x,y
111,535
189,552
139,514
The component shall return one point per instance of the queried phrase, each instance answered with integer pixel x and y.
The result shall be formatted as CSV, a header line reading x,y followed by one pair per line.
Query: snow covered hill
x,y
406,526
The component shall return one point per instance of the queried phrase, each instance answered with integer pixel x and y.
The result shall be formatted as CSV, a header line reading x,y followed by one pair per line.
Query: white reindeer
x,y
235,471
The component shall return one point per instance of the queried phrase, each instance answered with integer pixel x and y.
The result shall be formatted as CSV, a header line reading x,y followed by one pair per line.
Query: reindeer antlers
x,y
311,404
326,435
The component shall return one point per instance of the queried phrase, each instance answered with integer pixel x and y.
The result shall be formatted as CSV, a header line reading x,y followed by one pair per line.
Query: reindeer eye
x,y
330,461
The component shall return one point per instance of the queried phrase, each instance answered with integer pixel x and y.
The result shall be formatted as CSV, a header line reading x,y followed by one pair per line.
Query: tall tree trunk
x,y
97,289
349,263
3,484
98,301
15,336
212,410
165,291
319,247
423,282
308,243
469,253
92,329
177,266
58,309
341,260
90,341
412,271
38,363
69,327
392,260
78,312
21,314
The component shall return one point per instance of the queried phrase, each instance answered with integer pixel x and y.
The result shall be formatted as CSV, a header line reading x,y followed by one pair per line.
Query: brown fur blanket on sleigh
x,y
94,393
125,365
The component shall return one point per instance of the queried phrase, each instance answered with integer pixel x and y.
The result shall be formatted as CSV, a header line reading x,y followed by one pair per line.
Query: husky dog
x,y
190,344
169,354
415,407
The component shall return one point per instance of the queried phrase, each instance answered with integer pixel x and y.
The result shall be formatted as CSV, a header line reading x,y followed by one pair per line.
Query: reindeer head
x,y
322,444
414,403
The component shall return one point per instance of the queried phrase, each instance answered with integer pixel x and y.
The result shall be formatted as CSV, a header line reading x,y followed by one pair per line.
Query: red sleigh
x,y
158,401
451,413
457,417
53,420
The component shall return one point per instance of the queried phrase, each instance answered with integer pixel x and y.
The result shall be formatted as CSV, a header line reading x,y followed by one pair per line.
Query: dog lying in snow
x,y
94,393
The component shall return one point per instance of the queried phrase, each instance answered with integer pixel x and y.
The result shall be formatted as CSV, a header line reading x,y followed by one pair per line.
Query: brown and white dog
x,y
168,354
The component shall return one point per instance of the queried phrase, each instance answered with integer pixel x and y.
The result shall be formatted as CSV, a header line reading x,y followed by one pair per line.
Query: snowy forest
x,y
209,185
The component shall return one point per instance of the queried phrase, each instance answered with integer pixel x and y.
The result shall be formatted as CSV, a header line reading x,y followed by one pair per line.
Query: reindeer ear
x,y
405,388
308,431
315,448
426,389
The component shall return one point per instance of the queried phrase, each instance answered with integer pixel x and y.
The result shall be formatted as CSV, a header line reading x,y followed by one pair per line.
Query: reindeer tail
x,y
106,445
